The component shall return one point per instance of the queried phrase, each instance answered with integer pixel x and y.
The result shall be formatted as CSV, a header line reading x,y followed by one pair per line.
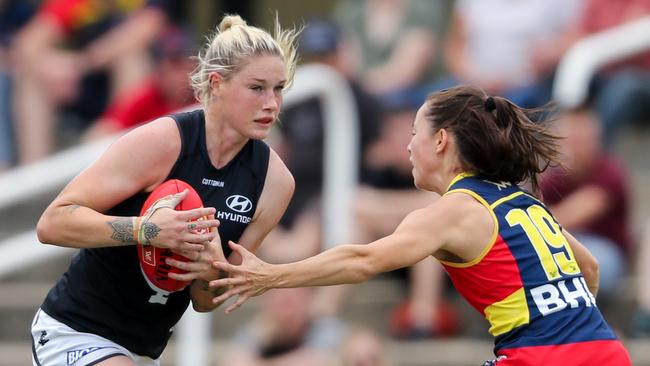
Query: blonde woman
x,y
103,311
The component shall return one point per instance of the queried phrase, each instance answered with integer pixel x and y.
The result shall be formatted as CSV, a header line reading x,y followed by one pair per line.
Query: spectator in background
x,y
621,92
494,44
76,54
301,146
386,195
13,15
392,43
302,131
382,203
284,333
589,196
166,90
362,347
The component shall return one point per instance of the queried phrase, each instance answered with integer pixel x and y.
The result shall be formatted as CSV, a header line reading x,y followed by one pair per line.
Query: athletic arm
x,y
586,261
136,162
420,234
136,33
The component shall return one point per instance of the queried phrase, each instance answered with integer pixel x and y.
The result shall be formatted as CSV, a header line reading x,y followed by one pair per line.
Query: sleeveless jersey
x,y
526,283
104,290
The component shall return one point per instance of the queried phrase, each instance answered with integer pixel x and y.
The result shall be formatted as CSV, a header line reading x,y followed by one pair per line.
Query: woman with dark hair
x,y
503,250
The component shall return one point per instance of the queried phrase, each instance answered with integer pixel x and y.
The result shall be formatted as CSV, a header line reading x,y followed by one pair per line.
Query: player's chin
x,y
259,133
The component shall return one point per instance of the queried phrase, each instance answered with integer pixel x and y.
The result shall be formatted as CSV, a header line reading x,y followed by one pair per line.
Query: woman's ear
x,y
441,139
215,81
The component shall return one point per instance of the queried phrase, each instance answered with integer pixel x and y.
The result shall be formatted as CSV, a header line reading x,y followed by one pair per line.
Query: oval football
x,y
152,259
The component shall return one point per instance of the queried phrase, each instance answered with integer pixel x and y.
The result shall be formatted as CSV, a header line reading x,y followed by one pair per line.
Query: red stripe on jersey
x,y
495,277
575,354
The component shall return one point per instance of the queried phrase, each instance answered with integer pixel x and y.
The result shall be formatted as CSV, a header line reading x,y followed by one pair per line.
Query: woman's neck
x,y
222,141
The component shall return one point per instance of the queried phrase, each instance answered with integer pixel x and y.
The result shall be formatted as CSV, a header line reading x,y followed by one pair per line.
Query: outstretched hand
x,y
252,278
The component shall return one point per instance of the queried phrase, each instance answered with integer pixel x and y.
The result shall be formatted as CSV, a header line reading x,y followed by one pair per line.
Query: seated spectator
x,y
166,90
284,333
73,56
362,347
590,196
301,145
13,15
382,202
495,45
620,92
391,45
301,140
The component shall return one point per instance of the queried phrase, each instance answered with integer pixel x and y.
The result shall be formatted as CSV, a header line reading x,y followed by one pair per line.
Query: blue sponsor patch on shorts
x,y
75,355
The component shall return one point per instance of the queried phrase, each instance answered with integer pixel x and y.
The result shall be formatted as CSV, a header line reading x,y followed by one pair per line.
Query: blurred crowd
x,y
72,71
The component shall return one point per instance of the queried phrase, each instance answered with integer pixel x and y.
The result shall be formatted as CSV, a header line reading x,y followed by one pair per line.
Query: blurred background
x,y
74,74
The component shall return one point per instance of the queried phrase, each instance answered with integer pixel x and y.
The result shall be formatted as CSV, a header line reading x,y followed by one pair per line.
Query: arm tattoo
x,y
122,230
149,231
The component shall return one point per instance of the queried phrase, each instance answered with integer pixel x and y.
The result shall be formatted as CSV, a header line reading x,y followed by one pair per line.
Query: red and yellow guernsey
x,y
527,283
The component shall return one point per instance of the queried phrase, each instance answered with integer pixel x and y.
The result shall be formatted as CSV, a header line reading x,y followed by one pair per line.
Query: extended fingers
x,y
225,266
228,281
194,256
193,269
197,213
241,299
200,225
189,247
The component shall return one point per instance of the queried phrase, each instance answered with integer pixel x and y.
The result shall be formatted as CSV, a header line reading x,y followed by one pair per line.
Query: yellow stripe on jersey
x,y
504,199
458,177
508,314
493,238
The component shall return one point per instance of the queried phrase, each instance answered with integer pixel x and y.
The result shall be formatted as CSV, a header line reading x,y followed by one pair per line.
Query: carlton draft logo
x,y
239,203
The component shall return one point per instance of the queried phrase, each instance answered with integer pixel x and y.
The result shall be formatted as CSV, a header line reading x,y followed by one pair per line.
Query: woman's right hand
x,y
164,227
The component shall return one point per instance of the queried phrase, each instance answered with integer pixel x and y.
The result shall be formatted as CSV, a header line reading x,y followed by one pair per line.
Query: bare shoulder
x,y
473,224
136,162
278,176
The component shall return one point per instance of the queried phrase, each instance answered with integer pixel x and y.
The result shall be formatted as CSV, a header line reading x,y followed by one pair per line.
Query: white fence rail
x,y
592,53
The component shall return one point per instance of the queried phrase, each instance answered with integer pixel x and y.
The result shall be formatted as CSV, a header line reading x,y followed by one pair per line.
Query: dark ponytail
x,y
496,139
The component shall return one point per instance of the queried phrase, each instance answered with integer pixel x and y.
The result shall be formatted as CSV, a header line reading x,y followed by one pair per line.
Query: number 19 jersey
x,y
526,282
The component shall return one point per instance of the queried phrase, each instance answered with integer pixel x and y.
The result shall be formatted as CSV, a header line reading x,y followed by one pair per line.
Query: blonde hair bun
x,y
230,21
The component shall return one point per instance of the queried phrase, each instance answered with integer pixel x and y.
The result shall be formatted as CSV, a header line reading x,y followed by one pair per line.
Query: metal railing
x,y
588,55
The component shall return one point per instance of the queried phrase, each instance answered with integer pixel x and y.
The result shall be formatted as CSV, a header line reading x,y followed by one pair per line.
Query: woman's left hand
x,y
199,265
252,278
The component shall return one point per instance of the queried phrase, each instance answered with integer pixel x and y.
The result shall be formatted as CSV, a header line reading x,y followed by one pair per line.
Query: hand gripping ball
x,y
152,259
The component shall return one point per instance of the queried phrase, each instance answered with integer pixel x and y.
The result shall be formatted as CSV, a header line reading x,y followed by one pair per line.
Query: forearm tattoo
x,y
122,230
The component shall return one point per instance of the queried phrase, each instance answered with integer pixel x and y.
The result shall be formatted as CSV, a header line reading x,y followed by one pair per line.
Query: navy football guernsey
x,y
526,283
104,291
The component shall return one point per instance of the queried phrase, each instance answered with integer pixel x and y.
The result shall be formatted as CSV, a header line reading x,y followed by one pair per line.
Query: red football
x,y
152,259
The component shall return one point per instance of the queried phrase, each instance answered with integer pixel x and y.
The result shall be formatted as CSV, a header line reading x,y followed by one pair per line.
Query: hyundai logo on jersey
x,y
239,203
